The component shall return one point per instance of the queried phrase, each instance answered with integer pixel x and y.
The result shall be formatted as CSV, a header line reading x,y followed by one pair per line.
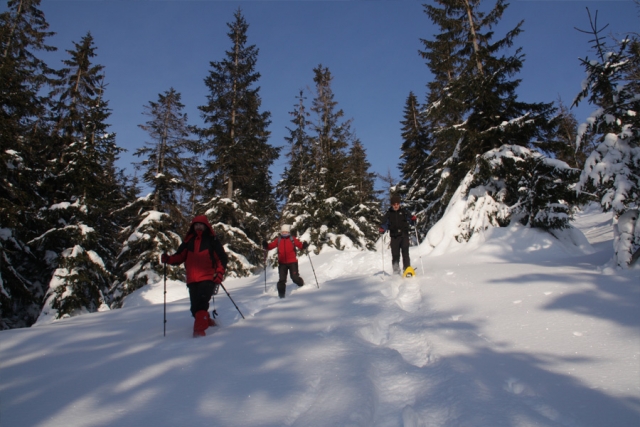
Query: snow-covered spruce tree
x,y
513,183
78,236
365,206
164,162
235,137
23,34
296,174
333,203
414,164
612,171
245,255
152,230
472,106
144,242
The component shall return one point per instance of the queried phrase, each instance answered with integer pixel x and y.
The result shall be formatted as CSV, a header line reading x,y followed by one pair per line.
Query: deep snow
x,y
514,329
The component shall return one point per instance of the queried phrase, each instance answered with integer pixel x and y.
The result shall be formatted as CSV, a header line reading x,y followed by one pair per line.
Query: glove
x,y
381,230
264,244
414,218
305,245
164,258
217,279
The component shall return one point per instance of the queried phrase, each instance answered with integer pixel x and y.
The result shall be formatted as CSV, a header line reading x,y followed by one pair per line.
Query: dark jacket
x,y
397,222
202,253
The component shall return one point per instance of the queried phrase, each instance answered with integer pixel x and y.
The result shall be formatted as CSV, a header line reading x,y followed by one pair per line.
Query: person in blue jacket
x,y
397,221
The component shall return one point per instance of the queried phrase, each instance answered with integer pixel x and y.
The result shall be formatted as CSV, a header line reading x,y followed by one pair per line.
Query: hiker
x,y
205,260
287,261
397,221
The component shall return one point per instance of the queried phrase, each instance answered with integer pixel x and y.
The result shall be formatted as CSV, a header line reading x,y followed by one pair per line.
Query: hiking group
x,y
205,259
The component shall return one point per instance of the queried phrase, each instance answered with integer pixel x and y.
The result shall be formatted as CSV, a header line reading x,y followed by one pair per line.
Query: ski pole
x,y
165,301
265,270
225,290
419,252
314,270
382,251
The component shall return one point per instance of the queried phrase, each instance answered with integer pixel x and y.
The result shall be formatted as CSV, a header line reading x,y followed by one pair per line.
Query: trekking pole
x,y
418,244
382,251
225,290
314,270
165,301
265,270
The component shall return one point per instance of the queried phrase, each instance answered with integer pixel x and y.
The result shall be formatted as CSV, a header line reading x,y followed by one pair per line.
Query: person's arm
x,y
384,227
273,244
176,259
219,268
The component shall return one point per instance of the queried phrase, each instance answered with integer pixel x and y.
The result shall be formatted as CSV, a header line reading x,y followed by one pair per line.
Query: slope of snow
x,y
520,329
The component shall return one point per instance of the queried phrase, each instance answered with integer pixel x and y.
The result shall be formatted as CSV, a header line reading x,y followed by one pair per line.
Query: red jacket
x,y
286,249
203,255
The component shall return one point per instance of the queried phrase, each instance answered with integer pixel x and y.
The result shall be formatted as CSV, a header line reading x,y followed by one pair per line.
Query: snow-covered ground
x,y
519,329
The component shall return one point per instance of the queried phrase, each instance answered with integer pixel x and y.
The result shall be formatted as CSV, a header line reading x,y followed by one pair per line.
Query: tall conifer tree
x,y
472,106
164,159
165,169
240,199
23,33
612,170
334,204
79,234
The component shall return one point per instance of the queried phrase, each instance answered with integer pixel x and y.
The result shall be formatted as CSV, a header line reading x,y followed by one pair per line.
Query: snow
x,y
516,328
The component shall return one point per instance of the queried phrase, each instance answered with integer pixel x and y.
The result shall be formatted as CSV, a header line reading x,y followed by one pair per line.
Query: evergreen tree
x,y
334,204
365,206
472,105
300,155
138,263
236,138
507,185
152,218
612,171
164,165
23,33
78,233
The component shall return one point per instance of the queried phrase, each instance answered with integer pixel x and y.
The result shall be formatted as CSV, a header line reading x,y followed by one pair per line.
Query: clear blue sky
x,y
370,47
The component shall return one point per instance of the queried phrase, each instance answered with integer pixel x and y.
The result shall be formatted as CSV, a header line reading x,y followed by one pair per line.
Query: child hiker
x,y
287,260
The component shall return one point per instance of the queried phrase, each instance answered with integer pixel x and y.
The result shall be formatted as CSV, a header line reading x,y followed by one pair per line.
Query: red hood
x,y
204,220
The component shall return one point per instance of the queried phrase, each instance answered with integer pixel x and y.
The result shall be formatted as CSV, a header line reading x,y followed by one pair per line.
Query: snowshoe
x,y
409,272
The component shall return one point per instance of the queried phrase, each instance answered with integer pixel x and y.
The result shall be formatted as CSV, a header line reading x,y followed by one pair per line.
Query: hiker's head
x,y
395,202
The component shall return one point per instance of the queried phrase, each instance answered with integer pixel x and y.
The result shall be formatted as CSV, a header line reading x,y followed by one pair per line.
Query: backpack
x,y
216,247
290,238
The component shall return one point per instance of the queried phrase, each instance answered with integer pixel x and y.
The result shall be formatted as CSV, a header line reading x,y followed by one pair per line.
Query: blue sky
x,y
370,47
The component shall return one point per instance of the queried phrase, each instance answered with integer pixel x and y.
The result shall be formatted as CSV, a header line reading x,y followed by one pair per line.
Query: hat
x,y
285,228
395,199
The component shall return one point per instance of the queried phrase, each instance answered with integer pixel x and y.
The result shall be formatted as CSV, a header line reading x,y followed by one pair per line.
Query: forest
x,y
78,234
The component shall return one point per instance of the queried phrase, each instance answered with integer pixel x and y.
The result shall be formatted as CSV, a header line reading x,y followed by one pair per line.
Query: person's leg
x,y
395,253
282,283
200,293
295,274
406,261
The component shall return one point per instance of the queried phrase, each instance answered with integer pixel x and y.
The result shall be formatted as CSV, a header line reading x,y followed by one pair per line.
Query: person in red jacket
x,y
287,260
205,261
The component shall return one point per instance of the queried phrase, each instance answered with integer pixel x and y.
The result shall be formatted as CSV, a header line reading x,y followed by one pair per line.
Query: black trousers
x,y
199,294
400,243
292,270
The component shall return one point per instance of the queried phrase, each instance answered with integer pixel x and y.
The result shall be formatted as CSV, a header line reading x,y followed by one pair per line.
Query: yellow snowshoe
x,y
409,272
